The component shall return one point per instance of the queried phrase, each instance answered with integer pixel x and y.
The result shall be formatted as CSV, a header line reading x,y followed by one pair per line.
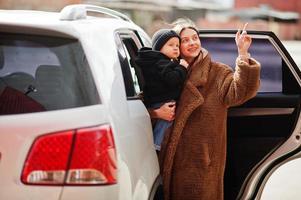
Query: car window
x,y
40,73
132,74
224,50
130,51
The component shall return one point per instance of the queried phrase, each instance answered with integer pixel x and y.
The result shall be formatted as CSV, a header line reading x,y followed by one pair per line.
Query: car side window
x,y
224,50
132,75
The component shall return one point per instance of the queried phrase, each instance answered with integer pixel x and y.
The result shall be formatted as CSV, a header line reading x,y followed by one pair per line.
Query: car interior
x,y
252,138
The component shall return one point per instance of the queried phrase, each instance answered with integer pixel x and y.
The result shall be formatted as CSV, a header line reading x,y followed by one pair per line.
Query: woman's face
x,y
190,44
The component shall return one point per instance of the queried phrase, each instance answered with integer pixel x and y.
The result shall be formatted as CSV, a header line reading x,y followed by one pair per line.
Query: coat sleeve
x,y
172,73
236,87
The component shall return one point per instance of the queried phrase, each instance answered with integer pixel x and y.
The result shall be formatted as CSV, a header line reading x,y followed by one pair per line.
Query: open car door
x,y
264,134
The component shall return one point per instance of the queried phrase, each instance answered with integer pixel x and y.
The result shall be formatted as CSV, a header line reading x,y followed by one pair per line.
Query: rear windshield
x,y
39,73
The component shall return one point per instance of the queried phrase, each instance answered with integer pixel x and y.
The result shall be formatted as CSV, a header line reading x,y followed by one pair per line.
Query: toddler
x,y
164,75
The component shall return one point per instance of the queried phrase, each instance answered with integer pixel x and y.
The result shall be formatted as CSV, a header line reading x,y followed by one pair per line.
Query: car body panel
x,y
284,183
30,126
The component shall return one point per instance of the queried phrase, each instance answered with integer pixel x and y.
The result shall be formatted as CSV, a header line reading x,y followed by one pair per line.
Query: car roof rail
x,y
79,11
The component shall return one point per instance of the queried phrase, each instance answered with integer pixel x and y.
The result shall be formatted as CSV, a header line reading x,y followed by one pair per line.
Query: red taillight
x,y
81,157
93,159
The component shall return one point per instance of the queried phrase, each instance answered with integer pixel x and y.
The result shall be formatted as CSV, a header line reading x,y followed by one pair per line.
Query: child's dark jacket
x,y
164,78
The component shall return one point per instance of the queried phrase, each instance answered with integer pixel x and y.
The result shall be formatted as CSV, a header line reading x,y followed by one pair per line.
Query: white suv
x,y
69,129
73,126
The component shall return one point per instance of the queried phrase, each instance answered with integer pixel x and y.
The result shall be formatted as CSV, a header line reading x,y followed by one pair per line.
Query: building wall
x,y
286,31
146,19
287,5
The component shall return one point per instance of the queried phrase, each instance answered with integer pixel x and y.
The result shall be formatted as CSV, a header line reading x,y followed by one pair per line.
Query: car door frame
x,y
255,182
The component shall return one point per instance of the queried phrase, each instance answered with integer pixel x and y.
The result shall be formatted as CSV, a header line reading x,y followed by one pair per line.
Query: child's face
x,y
171,48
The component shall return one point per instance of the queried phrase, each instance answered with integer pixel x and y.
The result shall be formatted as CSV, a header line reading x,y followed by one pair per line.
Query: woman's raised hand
x,y
243,41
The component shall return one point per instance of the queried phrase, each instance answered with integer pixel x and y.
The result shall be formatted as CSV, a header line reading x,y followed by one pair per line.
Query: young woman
x,y
194,152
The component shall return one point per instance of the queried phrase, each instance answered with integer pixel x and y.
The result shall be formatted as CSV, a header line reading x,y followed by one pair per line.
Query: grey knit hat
x,y
161,37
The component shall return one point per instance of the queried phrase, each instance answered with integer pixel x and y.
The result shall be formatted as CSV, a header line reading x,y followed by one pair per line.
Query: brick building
x,y
288,5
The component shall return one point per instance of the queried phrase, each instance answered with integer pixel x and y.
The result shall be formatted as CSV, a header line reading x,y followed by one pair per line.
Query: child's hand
x,y
184,63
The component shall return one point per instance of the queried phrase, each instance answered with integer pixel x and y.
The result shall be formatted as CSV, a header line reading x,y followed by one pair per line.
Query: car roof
x,y
50,23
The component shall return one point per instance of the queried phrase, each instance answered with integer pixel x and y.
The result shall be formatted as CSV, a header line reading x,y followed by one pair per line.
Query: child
x,y
164,75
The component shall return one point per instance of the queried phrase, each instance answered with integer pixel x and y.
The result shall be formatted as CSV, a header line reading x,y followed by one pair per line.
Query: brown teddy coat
x,y
193,154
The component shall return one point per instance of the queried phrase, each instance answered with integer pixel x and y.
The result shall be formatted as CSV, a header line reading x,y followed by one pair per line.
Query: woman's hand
x,y
243,41
166,111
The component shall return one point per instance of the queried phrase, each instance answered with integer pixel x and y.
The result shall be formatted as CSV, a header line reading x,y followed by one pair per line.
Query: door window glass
x,y
224,50
132,75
